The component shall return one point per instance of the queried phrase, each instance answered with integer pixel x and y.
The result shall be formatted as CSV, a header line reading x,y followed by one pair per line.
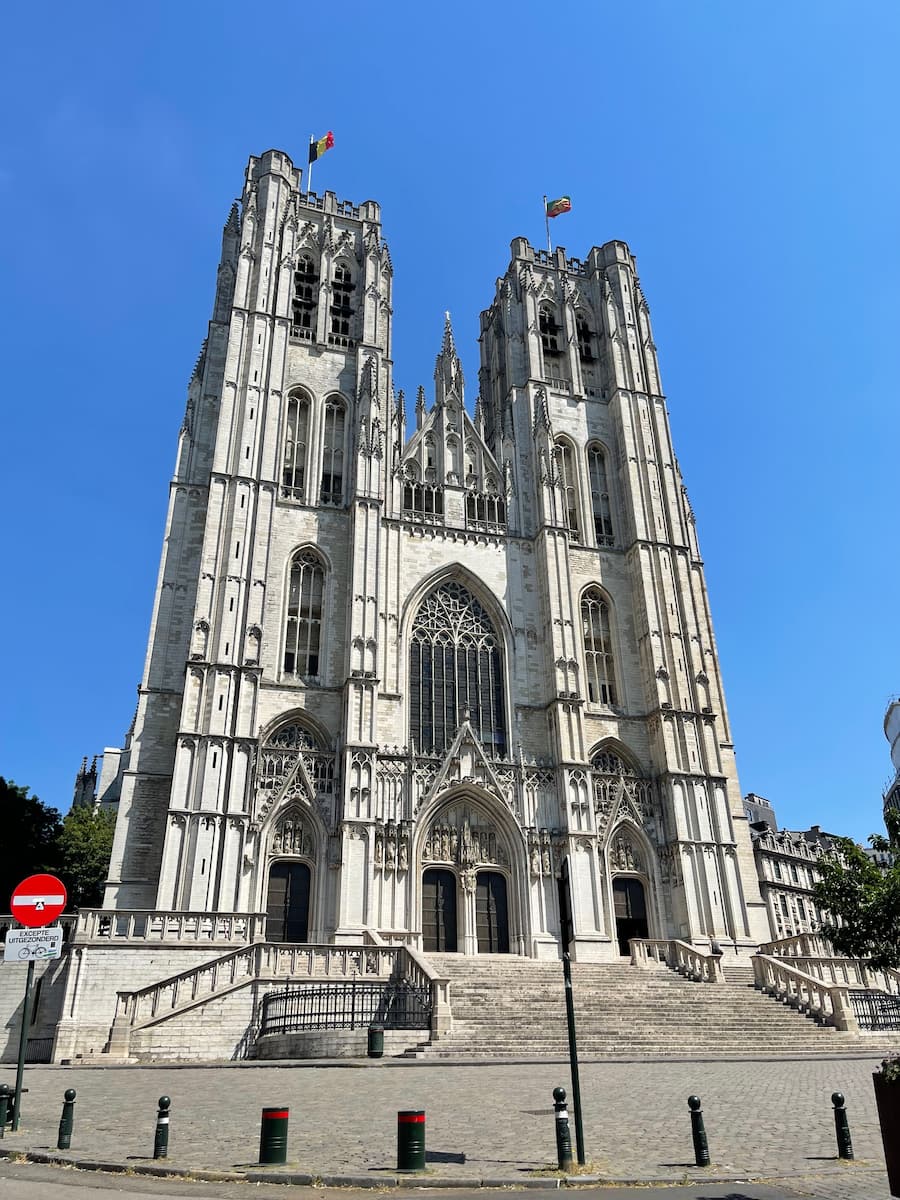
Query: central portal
x,y
439,911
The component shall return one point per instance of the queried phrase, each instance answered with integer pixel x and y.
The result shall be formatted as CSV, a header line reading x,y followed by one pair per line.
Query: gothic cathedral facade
x,y
454,683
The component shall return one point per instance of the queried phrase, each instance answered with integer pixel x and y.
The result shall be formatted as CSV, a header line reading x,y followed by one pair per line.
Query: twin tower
x,y
451,678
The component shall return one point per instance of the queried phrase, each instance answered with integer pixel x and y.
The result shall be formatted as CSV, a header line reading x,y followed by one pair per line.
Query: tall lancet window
x,y
549,329
603,528
303,628
296,447
341,307
598,651
455,671
568,483
335,425
585,338
305,301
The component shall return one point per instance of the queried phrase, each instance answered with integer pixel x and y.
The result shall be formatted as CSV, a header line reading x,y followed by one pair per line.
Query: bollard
x,y
4,1108
563,1136
841,1126
698,1132
375,1047
161,1138
273,1135
411,1140
67,1120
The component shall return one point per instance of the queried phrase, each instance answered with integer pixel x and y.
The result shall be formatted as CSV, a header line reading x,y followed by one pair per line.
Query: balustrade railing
x,y
682,957
184,928
827,1003
799,945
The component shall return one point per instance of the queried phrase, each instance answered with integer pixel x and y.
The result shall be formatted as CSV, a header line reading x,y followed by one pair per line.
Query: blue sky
x,y
747,153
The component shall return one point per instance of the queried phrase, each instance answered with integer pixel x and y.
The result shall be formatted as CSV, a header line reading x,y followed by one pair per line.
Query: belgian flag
x,y
318,148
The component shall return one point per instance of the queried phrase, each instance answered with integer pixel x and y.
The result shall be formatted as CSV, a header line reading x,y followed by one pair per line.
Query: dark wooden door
x,y
439,911
491,917
631,912
287,902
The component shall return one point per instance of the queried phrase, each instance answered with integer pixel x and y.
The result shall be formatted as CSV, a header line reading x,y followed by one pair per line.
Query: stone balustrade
x,y
682,957
799,945
105,926
826,1002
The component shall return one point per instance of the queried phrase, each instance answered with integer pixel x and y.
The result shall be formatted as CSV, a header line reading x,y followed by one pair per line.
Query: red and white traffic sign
x,y
38,900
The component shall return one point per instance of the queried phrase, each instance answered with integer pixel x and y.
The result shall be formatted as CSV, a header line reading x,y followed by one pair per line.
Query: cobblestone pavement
x,y
768,1120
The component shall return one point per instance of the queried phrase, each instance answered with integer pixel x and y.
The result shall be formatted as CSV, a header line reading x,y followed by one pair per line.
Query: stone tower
x,y
458,688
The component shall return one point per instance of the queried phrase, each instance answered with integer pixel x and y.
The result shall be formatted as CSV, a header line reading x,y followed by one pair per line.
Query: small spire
x,y
447,346
420,407
401,408
232,225
448,376
479,416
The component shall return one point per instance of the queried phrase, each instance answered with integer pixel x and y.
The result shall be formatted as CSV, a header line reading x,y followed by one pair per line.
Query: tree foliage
x,y
85,843
863,899
28,838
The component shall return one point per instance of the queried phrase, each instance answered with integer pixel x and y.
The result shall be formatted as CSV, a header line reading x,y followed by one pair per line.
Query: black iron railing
x,y
346,1006
875,1010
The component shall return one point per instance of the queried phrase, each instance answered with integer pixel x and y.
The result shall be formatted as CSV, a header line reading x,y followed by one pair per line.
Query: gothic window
x,y
335,423
486,511
585,338
423,502
603,529
549,329
341,308
600,668
296,445
303,629
305,300
454,665
568,482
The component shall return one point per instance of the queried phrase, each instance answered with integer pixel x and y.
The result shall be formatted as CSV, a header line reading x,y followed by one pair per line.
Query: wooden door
x,y
438,911
491,917
287,902
631,911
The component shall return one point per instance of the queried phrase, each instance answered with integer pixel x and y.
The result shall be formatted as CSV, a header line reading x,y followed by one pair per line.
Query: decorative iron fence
x,y
346,1006
875,1011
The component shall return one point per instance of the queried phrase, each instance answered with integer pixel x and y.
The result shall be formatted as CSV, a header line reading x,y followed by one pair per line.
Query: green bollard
x,y
563,1136
411,1140
273,1134
4,1108
161,1137
375,1046
841,1126
67,1120
698,1132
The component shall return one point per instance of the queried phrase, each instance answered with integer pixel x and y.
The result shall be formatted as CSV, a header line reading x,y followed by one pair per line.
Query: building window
x,y
568,482
332,490
549,330
801,908
603,528
600,668
296,445
795,875
585,338
423,502
455,671
303,632
777,868
485,511
341,308
305,301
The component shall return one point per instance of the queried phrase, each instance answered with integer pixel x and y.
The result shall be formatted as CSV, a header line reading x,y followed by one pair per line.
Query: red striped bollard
x,y
411,1140
273,1134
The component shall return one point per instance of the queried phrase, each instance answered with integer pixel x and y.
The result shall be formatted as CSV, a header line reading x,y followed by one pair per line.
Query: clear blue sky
x,y
748,154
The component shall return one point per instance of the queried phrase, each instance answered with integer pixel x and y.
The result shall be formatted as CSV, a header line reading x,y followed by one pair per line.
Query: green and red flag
x,y
555,208
318,148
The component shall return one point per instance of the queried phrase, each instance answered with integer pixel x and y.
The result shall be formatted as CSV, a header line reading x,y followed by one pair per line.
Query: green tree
x,y
84,843
863,899
28,832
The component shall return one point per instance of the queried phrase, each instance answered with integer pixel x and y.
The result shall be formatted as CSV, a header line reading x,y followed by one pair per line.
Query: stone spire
x,y
448,375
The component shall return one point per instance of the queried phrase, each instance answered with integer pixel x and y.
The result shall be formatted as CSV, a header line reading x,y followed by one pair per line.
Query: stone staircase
x,y
506,1007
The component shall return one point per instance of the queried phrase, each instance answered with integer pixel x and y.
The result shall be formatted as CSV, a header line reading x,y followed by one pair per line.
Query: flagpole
x,y
547,223
309,166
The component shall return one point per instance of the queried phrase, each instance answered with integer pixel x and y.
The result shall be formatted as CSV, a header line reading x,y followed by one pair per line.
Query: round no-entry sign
x,y
38,900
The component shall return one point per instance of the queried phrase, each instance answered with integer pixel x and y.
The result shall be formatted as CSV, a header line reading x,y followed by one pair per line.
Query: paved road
x,y
769,1121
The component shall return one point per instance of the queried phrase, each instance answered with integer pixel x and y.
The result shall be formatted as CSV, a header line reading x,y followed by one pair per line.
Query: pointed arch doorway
x,y
491,913
630,907
439,911
287,902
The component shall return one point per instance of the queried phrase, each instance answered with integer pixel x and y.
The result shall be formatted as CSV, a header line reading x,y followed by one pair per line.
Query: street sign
x,y
31,945
38,900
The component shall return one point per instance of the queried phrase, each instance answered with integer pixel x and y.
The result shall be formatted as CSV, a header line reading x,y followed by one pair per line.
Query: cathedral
x,y
450,680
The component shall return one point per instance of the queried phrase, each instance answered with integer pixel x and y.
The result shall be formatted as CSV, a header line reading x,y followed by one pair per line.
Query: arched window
x,y
454,667
306,295
585,338
549,329
568,482
303,628
341,308
296,447
598,654
332,490
603,529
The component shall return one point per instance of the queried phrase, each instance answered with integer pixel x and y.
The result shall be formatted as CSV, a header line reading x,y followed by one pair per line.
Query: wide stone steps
x,y
511,1007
